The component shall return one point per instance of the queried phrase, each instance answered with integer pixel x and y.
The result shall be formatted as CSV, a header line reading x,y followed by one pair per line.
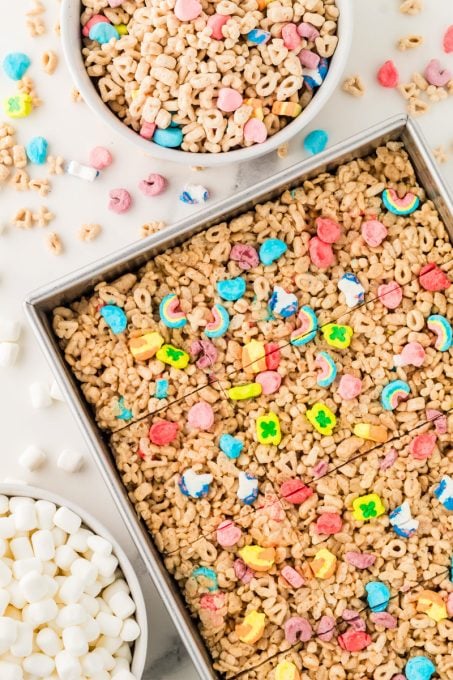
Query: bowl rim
x,y
141,644
72,49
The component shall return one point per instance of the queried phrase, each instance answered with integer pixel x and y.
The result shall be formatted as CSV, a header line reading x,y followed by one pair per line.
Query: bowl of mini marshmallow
x,y
206,82
71,605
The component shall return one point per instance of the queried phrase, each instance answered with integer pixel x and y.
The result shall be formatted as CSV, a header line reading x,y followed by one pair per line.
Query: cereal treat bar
x,y
208,75
277,393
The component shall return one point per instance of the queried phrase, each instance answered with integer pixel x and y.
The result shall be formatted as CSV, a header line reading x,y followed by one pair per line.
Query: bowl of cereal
x,y
73,603
206,82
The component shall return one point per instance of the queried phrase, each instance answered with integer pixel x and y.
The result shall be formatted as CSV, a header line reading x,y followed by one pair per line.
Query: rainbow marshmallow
x,y
441,327
328,369
170,312
393,393
308,328
400,206
220,323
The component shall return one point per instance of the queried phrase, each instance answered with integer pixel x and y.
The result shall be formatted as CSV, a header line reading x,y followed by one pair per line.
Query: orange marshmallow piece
x,y
324,563
431,603
374,433
252,627
258,558
145,346
291,109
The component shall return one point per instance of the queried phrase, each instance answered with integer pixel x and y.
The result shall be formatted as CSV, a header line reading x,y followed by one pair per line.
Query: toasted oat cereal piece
x,y
410,42
43,217
54,243
20,180
42,186
49,62
19,156
411,7
55,164
282,151
36,27
88,232
417,107
440,154
151,227
75,95
37,9
409,90
354,85
23,219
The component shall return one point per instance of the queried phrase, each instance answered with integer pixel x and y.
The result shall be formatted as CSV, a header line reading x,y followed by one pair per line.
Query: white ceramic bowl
x,y
71,36
140,645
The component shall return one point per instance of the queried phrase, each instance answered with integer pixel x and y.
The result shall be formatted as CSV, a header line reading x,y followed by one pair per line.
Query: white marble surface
x,y
25,262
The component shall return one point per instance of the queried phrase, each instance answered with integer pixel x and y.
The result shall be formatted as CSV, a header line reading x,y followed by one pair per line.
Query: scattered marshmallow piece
x,y
130,630
39,665
8,354
55,391
70,461
81,171
99,545
40,395
45,512
9,330
122,605
32,458
48,641
67,520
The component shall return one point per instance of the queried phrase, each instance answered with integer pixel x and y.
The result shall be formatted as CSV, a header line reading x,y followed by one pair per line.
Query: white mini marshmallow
x,y
43,545
74,641
7,527
92,663
109,644
5,574
24,516
124,652
90,604
100,545
120,586
59,536
91,629
81,171
122,605
14,480
79,540
71,590
32,458
109,661
106,564
40,665
71,615
22,567
64,557
121,663
23,645
123,675
21,548
55,391
8,633
68,666
3,547
109,625
45,512
34,587
15,592
130,630
4,504
49,568
94,589
9,330
85,570
40,395
10,671
5,599
70,461
67,520
40,612
52,585
8,354
49,642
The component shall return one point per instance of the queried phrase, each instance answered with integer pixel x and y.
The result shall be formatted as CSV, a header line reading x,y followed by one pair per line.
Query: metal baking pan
x,y
39,305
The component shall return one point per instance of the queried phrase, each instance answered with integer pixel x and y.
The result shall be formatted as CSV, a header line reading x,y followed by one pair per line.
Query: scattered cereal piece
x,y
114,317
231,289
193,484
390,294
417,107
8,354
360,560
151,228
286,670
245,255
268,429
252,628
55,164
328,230
283,303
308,329
409,42
448,40
49,62
120,200
322,418
374,433
432,278
352,289
328,368
411,7
54,243
9,330
419,667
258,558
18,106
323,564
201,416
439,325
37,150
282,151
329,523
367,507
400,206
100,158
354,85
321,254
70,461
373,232
412,354
173,356
153,185
440,154
36,27
349,386
316,141
231,446
145,346
220,322
402,521
378,596
270,381
432,604
32,458
88,232
295,491
228,534
292,577
354,641
248,488
436,75
170,312
337,335
393,393
271,250
16,64
388,75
